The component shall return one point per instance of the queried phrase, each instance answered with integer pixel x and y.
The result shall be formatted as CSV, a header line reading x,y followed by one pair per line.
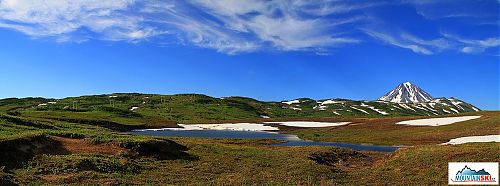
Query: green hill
x,y
153,109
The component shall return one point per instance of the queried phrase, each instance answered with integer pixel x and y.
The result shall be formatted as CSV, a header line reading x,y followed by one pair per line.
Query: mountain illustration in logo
x,y
468,171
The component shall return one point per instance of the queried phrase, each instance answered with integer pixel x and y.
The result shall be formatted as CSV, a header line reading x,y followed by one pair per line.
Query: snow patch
x,y
376,110
437,121
407,107
321,107
432,104
331,101
454,110
424,105
421,108
308,124
291,102
473,139
360,110
225,126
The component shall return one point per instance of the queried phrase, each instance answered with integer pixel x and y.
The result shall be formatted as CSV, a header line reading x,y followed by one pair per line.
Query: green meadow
x,y
84,141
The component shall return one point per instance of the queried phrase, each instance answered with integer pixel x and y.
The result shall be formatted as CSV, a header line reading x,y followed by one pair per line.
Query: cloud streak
x,y
473,46
404,41
226,26
432,46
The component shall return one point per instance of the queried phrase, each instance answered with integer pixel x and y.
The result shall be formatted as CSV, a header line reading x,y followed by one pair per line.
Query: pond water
x,y
291,140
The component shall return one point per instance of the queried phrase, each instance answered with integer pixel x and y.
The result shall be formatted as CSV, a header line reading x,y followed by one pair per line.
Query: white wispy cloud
x,y
59,18
287,32
439,43
227,26
433,46
405,41
338,7
474,11
473,46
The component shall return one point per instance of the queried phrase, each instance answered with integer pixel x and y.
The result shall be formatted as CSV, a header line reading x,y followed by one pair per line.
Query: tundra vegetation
x,y
84,140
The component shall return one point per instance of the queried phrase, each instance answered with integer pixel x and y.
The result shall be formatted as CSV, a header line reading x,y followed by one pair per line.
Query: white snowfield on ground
x,y
229,126
250,126
224,126
474,139
331,101
307,124
291,102
437,121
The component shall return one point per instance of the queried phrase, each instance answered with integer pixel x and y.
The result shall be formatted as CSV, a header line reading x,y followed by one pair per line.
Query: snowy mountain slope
x,y
405,99
344,107
407,93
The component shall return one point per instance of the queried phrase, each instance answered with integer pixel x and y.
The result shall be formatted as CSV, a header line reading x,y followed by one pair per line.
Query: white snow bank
x,y
375,109
291,102
249,126
407,107
437,121
321,107
308,124
360,110
331,101
474,139
227,126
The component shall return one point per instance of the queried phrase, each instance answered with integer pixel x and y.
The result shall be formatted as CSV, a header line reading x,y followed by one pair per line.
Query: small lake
x,y
291,140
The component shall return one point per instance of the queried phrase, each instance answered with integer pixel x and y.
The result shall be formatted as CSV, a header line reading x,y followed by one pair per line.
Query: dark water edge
x,y
291,140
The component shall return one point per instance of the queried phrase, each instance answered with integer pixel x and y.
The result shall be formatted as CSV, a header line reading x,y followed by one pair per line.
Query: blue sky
x,y
268,50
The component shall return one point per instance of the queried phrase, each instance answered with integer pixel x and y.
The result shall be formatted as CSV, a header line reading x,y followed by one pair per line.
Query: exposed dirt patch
x,y
14,153
56,177
160,148
342,159
80,146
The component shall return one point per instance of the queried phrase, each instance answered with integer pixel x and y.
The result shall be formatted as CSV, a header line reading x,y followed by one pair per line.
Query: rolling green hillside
x,y
152,109
83,140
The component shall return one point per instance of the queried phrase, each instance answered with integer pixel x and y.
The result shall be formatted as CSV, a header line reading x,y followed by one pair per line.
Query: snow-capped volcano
x,y
407,93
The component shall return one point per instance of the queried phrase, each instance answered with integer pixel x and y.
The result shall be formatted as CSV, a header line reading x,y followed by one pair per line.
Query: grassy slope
x,y
251,163
384,131
163,110
224,161
425,165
